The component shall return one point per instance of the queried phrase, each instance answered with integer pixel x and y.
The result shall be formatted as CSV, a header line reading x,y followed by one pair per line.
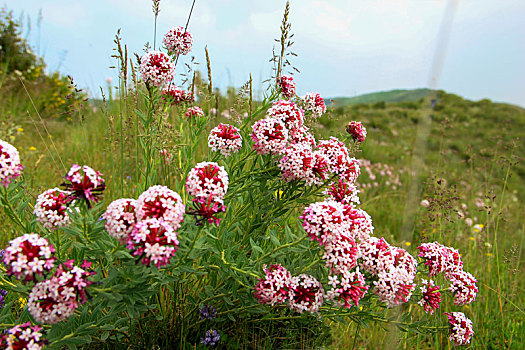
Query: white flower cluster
x,y
51,209
157,68
225,139
10,166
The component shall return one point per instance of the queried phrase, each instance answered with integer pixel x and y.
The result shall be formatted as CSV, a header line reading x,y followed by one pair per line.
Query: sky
x,y
344,47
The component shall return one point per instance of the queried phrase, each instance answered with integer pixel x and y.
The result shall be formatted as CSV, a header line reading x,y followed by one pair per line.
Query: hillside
x,y
382,96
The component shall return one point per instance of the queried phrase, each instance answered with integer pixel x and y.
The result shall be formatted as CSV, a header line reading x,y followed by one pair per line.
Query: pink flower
x,y
341,254
460,328
206,209
431,296
274,287
357,130
300,163
439,258
10,166
324,221
175,95
360,223
343,192
194,112
157,68
339,160
347,288
394,286
73,280
29,255
84,183
463,285
287,86
269,136
178,41
51,209
159,202
47,305
287,112
23,336
375,256
225,139
120,218
303,136
153,241
315,104
306,294
207,179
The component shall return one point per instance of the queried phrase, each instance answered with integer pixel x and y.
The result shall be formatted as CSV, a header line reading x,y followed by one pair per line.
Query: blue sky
x,y
344,47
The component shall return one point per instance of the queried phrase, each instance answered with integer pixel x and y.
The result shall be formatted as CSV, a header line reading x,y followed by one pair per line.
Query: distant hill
x,y
383,96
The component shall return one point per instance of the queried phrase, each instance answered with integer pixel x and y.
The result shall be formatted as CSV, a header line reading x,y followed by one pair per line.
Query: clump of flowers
x,y
306,294
47,305
23,336
463,285
287,86
274,287
28,256
315,104
211,338
460,328
194,112
156,68
375,255
269,136
347,288
84,183
360,223
287,112
225,139
159,202
153,241
207,209
73,280
10,166
343,192
431,296
175,95
357,130
394,286
439,259
120,218
207,179
341,254
208,312
300,163
324,221
303,136
51,209
336,153
178,41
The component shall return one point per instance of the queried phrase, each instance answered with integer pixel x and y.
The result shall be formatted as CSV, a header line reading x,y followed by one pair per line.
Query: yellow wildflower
x,y
279,194
22,301
32,148
20,129
408,244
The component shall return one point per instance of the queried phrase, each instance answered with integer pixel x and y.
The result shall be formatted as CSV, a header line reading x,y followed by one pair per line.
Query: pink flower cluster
x,y
431,296
10,166
269,136
120,218
154,241
343,192
299,162
315,104
324,221
440,259
357,130
379,174
208,183
347,288
394,267
302,293
225,139
463,285
28,256
55,300
175,95
147,225
23,336
340,161
156,68
178,41
84,183
274,287
460,328
51,209
287,112
194,112
287,86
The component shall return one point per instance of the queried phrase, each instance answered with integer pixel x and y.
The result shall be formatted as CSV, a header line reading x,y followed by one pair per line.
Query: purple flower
x,y
208,312
211,338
